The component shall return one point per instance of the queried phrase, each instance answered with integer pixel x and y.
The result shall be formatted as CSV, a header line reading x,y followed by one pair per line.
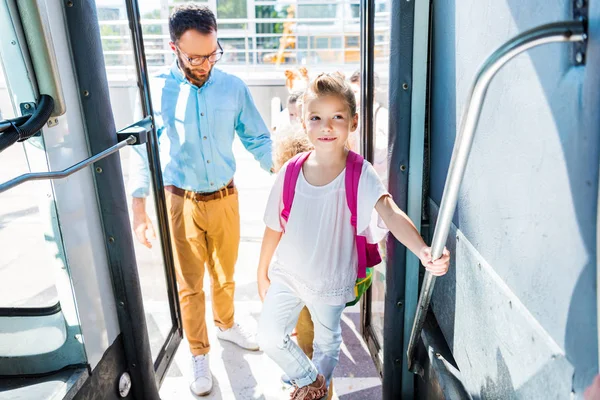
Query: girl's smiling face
x,y
328,122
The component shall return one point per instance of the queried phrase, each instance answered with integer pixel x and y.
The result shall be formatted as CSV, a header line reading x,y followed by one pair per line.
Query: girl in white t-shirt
x,y
315,260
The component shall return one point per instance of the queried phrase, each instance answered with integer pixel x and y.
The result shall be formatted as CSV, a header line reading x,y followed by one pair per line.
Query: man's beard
x,y
191,75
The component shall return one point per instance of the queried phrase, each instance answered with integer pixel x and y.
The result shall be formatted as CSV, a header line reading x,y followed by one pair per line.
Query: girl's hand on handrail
x,y
438,267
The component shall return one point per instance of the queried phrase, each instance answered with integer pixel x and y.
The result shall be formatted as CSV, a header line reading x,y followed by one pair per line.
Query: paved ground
x,y
252,375
239,374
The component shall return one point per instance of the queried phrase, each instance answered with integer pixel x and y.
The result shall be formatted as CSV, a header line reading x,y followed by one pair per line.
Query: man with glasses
x,y
197,110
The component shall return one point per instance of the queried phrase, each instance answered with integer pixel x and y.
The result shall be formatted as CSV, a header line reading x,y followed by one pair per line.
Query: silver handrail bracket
x,y
568,31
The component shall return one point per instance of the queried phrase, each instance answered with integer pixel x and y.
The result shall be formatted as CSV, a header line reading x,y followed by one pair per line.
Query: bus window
x,y
40,330
27,221
380,121
380,133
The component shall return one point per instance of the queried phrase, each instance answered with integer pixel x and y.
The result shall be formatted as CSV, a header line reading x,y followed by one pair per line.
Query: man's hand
x,y
267,249
142,223
263,286
438,267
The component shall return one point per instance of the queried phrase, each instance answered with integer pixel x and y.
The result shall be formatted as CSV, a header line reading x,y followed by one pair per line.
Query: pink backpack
x,y
368,254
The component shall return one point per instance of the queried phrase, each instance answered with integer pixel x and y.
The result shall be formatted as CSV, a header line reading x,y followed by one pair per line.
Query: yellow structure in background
x,y
324,40
288,39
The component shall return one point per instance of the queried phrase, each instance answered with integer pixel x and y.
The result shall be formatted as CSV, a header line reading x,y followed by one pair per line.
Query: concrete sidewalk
x,y
241,374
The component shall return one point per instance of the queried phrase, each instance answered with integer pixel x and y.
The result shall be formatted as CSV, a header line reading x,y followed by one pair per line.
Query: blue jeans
x,y
278,318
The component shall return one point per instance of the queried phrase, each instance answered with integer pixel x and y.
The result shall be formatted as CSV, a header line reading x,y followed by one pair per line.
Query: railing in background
x,y
313,42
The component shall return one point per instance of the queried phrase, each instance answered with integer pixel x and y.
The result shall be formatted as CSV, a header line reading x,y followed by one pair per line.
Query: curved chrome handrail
x,y
567,31
36,176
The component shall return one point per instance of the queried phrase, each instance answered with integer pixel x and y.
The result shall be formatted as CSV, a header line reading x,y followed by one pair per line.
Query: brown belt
x,y
219,194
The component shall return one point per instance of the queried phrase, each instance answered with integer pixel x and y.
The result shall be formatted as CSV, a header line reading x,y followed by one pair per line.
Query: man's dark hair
x,y
191,16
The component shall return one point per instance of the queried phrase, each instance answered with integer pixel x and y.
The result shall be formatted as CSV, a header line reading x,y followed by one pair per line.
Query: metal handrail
x,y
567,31
37,176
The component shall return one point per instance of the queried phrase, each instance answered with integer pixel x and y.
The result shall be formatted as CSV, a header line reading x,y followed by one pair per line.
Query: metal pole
x,y
367,88
367,22
37,176
598,271
568,31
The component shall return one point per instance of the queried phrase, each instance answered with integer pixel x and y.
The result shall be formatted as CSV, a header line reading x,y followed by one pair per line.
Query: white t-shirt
x,y
316,256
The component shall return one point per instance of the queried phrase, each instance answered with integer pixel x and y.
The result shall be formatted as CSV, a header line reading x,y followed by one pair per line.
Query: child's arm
x,y
404,230
270,241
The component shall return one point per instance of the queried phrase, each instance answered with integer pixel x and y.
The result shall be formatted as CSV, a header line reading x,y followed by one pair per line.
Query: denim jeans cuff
x,y
306,380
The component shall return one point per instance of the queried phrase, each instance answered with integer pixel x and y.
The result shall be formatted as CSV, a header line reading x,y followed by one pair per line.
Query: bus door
x,y
84,309
394,58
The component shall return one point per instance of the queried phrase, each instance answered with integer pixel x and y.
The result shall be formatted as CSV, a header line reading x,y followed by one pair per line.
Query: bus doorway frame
x,y
408,91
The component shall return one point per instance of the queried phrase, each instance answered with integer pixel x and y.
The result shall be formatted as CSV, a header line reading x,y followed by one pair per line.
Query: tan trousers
x,y
305,331
204,235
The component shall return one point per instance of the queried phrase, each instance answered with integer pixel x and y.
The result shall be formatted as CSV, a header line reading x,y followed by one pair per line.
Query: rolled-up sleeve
x,y
253,131
139,173
139,170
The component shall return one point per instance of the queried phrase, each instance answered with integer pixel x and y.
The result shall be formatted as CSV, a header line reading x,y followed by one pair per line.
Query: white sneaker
x,y
238,335
203,380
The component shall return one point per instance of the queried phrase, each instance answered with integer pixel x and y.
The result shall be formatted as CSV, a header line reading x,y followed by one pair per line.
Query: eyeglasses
x,y
212,58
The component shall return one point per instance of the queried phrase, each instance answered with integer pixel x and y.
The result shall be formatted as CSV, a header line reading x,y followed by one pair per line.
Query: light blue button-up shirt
x,y
196,128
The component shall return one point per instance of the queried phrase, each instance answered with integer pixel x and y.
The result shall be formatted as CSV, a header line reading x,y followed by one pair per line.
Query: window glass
x,y
126,107
31,245
380,130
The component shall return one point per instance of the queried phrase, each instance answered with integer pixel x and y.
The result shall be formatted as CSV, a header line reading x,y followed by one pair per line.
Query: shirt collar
x,y
178,74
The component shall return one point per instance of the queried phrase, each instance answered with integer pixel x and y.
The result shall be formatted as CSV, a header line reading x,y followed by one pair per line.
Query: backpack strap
x,y
354,164
292,171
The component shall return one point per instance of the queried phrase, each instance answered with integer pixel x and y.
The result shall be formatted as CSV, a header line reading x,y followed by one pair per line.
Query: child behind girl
x,y
290,141
315,261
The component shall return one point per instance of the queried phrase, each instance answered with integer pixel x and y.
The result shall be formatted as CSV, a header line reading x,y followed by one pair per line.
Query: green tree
x,y
154,29
270,27
232,9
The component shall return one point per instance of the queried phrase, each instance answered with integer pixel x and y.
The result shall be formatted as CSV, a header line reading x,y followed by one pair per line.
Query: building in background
x,y
261,38
257,35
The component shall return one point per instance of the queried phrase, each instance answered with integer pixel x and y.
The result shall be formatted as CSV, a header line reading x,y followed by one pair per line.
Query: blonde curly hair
x,y
290,141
